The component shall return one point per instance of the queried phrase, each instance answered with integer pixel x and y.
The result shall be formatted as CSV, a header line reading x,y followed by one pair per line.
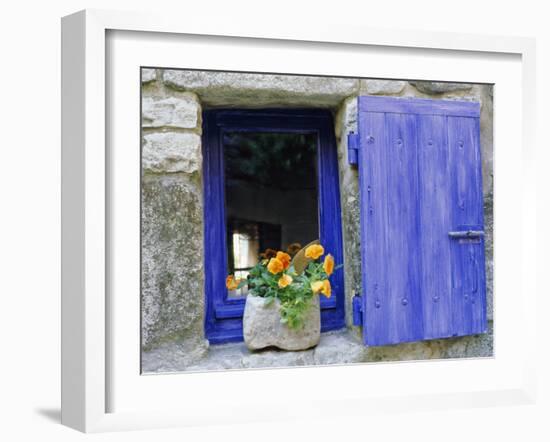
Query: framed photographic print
x,y
247,213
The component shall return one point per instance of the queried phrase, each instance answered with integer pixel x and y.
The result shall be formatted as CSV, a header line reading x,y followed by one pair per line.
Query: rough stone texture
x,y
175,112
171,152
148,75
183,353
382,87
434,87
261,90
486,136
262,326
277,358
339,347
489,263
346,122
172,262
463,347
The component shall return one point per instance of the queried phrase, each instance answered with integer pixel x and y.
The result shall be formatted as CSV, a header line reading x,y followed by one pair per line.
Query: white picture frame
x,y
87,228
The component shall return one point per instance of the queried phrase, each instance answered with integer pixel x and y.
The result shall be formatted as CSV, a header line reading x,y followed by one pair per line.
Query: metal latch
x,y
467,234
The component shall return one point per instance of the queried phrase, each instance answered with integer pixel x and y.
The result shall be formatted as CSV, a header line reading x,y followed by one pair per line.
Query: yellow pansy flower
x,y
317,286
327,289
285,281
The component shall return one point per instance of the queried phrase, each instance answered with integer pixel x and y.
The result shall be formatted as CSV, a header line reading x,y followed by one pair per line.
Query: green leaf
x,y
256,282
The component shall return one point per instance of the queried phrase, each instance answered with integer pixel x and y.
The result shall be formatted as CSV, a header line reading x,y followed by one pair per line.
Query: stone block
x,y
179,112
346,122
148,75
382,87
435,87
171,152
172,261
261,90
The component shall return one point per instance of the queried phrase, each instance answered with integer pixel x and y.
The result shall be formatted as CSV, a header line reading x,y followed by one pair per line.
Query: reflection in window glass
x,y
270,195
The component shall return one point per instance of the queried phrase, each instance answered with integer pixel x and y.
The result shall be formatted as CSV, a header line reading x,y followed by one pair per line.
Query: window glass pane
x,y
270,195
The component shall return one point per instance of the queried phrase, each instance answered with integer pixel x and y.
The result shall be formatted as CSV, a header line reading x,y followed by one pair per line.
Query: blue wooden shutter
x,y
422,239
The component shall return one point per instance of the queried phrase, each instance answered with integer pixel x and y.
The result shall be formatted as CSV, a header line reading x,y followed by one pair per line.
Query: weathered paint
x,y
420,178
223,316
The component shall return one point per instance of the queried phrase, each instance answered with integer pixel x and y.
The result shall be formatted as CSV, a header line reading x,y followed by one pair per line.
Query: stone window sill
x,y
340,347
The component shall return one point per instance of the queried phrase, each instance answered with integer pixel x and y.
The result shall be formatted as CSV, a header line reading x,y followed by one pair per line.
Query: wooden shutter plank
x,y
393,230
468,255
403,264
374,226
435,219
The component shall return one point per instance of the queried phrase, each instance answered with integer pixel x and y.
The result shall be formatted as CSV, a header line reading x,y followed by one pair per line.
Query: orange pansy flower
x,y
275,266
328,264
314,251
231,283
284,258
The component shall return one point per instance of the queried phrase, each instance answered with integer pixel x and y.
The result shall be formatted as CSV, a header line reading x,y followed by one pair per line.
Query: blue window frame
x,y
223,318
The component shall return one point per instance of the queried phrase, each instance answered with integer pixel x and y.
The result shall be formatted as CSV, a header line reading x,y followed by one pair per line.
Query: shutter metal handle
x,y
467,234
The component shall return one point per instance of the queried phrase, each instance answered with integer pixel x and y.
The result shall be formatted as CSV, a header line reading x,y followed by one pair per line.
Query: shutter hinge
x,y
357,307
353,148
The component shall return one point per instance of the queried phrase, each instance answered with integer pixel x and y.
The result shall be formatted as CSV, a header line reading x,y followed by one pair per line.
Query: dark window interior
x,y
270,195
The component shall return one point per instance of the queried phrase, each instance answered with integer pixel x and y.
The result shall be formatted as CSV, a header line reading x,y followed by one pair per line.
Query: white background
x,y
30,182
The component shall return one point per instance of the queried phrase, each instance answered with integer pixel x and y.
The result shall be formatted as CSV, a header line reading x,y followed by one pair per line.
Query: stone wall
x,y
172,212
172,219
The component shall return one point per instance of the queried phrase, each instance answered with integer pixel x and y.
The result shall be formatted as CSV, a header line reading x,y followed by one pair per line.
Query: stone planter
x,y
262,326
